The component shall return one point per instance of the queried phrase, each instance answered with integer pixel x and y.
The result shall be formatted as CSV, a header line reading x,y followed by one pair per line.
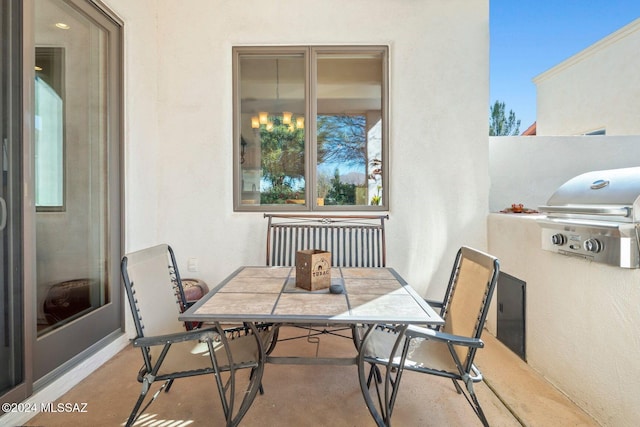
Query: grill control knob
x,y
592,245
558,239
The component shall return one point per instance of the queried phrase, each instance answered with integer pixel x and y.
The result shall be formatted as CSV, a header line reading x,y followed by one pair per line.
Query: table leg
x,y
227,389
387,389
271,338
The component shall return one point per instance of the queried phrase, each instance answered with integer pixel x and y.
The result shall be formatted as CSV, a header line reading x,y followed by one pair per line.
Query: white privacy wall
x,y
178,142
598,88
529,169
582,318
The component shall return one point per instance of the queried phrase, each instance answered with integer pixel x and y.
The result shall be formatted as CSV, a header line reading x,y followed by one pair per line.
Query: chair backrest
x,y
149,281
354,241
468,296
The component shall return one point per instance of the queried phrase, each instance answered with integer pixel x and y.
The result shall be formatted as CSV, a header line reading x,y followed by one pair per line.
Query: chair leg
x,y
479,411
476,405
274,339
134,413
260,388
146,385
374,371
168,387
227,387
458,388
370,376
355,337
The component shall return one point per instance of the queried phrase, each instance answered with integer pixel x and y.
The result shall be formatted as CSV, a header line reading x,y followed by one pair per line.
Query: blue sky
x,y
529,37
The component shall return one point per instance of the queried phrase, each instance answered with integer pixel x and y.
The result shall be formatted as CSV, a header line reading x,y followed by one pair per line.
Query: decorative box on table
x,y
313,269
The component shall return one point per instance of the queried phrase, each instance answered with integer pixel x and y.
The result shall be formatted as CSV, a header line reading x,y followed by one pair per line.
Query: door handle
x,y
3,213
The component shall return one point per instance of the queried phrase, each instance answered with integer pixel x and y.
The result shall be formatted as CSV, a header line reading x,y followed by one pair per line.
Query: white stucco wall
x,y
597,88
178,118
528,170
582,318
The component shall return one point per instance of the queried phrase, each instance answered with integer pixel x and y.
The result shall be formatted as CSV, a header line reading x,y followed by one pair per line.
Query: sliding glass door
x,y
12,297
60,181
76,155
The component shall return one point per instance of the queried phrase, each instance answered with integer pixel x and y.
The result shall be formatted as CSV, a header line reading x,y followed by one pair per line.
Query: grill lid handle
x,y
587,210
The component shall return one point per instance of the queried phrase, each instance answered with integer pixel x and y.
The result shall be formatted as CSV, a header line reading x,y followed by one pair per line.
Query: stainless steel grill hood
x,y
596,216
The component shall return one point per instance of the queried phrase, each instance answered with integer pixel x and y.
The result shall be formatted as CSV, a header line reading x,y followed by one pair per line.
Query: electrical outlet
x,y
192,264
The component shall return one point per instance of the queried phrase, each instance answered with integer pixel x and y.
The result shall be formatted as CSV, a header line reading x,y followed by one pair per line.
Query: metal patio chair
x,y
184,303
447,351
170,351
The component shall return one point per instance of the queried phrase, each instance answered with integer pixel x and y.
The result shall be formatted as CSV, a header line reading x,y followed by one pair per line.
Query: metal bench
x,y
354,241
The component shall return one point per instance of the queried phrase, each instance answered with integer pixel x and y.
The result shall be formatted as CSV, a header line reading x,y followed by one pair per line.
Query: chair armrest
x,y
430,334
193,335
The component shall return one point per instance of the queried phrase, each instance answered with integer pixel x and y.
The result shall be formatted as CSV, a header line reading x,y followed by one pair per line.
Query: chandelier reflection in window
x,y
264,120
286,118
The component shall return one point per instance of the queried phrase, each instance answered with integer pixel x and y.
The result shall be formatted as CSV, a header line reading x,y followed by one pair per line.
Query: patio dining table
x,y
369,297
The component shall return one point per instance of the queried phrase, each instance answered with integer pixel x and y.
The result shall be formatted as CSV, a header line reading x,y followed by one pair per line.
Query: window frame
x,y
310,54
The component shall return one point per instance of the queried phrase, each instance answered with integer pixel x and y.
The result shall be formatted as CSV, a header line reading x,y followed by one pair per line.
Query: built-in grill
x,y
596,216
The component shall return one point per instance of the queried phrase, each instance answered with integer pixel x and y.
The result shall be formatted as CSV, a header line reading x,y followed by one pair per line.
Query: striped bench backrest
x,y
354,241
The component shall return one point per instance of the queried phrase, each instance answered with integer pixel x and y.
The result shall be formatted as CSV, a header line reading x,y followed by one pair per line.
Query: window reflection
x,y
73,146
49,128
349,128
310,115
272,152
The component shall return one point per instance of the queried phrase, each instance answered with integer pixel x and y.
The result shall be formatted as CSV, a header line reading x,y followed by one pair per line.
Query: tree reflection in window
x,y
338,157
342,153
341,160
282,162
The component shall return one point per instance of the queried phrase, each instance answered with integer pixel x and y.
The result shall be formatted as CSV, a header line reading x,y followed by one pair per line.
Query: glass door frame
x,y
104,323
20,62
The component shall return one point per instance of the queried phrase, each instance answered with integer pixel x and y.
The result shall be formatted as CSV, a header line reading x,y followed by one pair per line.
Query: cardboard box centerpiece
x,y
313,269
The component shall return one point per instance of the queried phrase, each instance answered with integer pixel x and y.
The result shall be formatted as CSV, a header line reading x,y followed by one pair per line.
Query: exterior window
x,y
310,128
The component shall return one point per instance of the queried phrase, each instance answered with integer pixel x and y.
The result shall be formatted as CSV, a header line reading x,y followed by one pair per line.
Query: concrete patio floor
x,y
512,395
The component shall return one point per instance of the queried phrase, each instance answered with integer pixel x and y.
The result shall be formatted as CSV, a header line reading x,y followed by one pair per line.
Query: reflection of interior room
x,y
270,86
69,166
66,300
350,86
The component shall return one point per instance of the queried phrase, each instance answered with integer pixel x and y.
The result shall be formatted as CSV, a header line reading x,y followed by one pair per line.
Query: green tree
x,y
501,124
282,162
282,154
340,192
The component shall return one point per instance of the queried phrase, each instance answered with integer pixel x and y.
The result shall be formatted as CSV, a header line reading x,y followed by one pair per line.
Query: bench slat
x,y
354,241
